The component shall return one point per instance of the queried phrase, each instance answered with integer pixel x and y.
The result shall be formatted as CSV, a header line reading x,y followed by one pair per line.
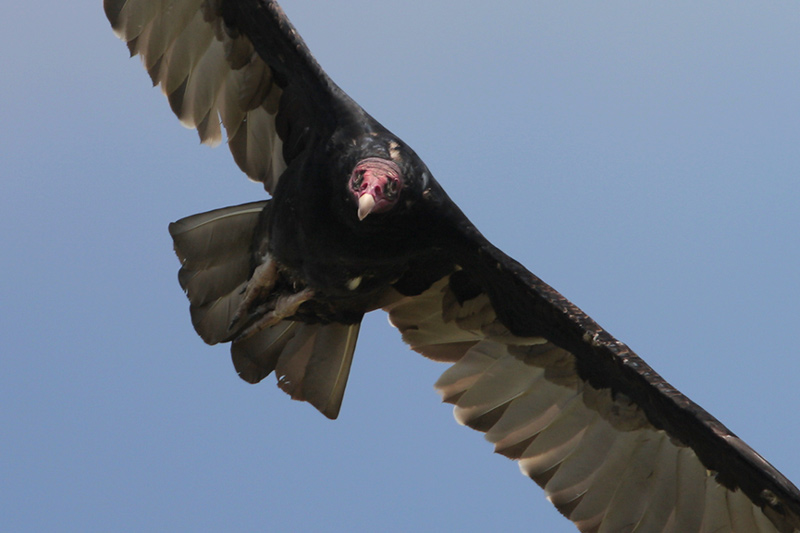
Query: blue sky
x,y
641,158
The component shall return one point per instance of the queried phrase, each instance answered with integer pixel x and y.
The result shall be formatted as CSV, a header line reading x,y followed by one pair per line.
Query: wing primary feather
x,y
740,510
529,414
629,502
212,74
614,445
556,440
461,376
661,502
499,384
715,517
691,502
593,506
576,472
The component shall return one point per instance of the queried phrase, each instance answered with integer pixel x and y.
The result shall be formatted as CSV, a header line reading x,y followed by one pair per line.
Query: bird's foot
x,y
261,282
285,307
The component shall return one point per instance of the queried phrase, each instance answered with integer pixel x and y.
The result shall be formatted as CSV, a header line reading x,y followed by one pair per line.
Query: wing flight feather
x,y
599,458
614,446
214,76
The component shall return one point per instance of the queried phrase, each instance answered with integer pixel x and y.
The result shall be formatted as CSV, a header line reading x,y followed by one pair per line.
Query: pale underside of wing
x,y
599,460
209,76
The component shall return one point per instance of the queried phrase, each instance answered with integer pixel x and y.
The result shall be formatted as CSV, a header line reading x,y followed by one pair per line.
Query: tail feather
x,y
329,367
311,361
316,363
212,320
255,357
214,249
205,286
215,237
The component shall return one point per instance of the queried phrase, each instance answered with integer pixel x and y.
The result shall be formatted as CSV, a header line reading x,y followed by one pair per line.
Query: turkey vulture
x,y
356,222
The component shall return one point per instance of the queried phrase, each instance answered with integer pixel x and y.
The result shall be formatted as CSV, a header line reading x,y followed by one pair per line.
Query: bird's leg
x,y
285,307
261,282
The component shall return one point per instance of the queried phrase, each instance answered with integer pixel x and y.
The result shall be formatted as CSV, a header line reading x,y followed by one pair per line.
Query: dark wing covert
x,y
211,74
615,447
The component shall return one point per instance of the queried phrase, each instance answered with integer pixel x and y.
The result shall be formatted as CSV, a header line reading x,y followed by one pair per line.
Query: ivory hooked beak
x,y
365,204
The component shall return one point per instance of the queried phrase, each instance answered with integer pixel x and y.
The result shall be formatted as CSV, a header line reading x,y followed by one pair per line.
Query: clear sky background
x,y
643,158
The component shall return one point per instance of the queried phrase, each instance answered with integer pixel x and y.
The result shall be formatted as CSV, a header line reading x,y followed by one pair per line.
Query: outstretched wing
x,y
243,66
615,447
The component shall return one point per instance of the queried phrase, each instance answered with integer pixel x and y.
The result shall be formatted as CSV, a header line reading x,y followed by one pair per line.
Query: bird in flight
x,y
356,222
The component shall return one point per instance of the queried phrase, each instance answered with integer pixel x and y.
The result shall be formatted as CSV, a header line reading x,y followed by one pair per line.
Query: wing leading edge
x,y
615,447
212,75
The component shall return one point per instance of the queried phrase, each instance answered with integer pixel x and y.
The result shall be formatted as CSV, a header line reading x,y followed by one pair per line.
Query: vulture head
x,y
375,185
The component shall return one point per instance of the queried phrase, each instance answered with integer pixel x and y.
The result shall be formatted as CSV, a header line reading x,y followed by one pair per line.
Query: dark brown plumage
x,y
288,280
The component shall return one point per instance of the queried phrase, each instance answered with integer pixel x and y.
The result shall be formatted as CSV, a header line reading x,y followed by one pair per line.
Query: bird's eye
x,y
391,187
357,179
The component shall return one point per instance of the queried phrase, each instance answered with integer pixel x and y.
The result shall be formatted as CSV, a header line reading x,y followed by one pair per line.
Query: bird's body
x,y
357,222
